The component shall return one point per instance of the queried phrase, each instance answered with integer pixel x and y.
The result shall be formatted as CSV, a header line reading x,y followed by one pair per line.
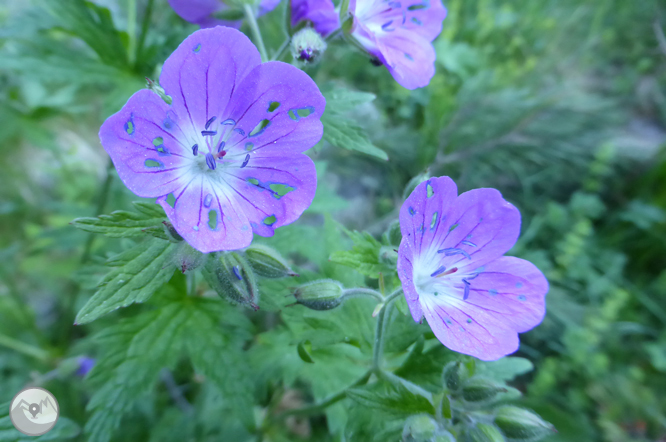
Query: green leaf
x,y
425,367
139,272
505,369
63,429
393,398
123,224
364,257
342,131
303,352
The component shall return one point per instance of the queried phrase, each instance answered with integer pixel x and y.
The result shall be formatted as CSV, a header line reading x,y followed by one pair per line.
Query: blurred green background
x,y
559,104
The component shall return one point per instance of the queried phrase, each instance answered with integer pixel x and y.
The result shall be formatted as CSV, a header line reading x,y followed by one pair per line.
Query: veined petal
x,y
406,274
409,57
320,12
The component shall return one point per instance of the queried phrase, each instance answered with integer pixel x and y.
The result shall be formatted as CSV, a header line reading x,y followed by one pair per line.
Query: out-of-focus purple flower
x,y
398,33
452,270
224,159
85,365
321,13
202,12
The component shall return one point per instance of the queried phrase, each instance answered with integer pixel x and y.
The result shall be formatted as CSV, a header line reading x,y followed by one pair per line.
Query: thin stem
x,y
256,33
378,349
145,24
24,348
396,293
321,406
359,291
131,29
101,203
333,34
282,49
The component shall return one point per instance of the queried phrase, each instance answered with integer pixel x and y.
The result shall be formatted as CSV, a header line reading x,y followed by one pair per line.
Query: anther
x,y
208,133
210,161
209,122
195,149
247,160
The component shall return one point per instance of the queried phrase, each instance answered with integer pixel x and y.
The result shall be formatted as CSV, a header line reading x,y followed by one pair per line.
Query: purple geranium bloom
x,y
321,13
452,270
85,365
398,33
225,158
201,12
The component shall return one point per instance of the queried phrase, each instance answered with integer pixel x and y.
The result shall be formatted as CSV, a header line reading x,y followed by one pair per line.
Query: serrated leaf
x,y
140,271
364,257
340,100
505,369
124,224
393,399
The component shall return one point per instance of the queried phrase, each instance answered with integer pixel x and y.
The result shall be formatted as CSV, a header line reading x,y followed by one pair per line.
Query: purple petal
x,y
320,12
409,58
425,21
195,11
266,6
193,211
129,138
205,70
270,84
406,274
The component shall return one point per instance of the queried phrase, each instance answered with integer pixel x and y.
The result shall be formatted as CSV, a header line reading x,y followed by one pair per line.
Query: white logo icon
x,y
34,411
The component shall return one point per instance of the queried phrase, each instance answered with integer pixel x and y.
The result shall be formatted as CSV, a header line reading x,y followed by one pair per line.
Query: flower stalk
x,y
256,32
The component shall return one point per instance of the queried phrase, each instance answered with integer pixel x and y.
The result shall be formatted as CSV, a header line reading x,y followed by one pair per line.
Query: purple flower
x,y
399,35
452,270
225,159
201,12
85,365
320,12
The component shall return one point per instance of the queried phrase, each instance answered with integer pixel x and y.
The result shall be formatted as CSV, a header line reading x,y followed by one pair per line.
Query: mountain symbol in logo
x,y
35,408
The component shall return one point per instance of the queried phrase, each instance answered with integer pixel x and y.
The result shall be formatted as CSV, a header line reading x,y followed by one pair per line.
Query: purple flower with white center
x,y
453,271
224,159
398,34
321,13
202,12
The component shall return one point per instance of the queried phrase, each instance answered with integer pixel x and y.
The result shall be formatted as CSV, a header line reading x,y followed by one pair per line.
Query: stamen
x,y
208,133
210,161
209,122
220,148
454,251
442,269
247,159
448,272
467,284
237,273
195,149
228,122
469,243
221,154
240,131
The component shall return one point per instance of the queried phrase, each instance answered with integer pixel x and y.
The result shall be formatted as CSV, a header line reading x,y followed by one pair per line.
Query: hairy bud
x,y
307,45
324,294
420,428
522,425
453,376
481,390
230,275
187,258
388,256
411,185
170,232
268,262
485,433
393,234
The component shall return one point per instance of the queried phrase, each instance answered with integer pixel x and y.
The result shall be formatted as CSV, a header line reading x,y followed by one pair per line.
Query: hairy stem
x,y
378,349
283,47
256,33
24,348
359,291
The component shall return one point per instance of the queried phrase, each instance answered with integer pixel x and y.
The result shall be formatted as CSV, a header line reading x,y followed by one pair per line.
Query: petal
x,y
409,57
424,17
204,72
195,11
273,190
482,224
424,210
320,12
469,329
288,130
406,275
143,140
201,201
266,6
513,290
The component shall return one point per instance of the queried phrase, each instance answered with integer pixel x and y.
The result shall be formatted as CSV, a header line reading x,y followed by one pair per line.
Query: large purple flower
x,y
399,33
321,13
452,270
201,12
225,158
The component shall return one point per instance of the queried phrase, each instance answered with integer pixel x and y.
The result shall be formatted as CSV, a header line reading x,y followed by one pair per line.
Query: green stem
x,y
145,24
321,406
101,203
256,33
333,34
359,291
282,49
24,348
131,29
378,348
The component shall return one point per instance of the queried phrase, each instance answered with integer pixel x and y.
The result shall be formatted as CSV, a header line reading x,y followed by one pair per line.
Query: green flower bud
x,y
485,433
481,390
393,234
388,256
267,262
521,425
187,258
230,275
307,45
454,374
420,428
411,185
324,294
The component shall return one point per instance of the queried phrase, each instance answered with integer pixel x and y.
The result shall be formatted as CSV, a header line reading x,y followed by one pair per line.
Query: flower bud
x,y
454,374
230,275
485,433
420,428
171,233
307,45
267,262
393,234
324,294
481,390
159,90
414,182
522,425
187,258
